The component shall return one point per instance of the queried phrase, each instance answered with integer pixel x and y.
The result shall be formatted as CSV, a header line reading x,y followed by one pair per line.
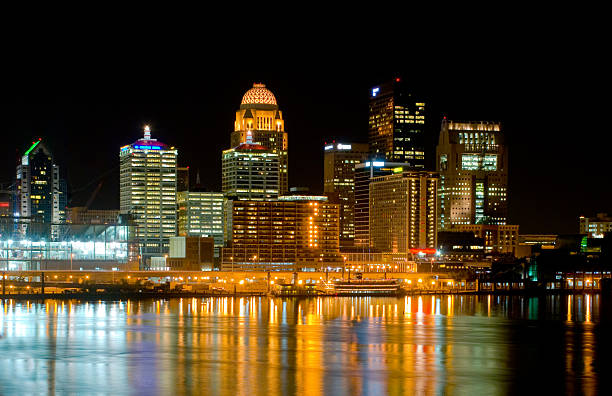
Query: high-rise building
x,y
291,233
340,160
472,159
403,211
364,173
148,193
250,171
397,124
259,115
201,214
596,227
41,194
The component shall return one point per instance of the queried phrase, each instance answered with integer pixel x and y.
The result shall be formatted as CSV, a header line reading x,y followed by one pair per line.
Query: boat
x,y
379,287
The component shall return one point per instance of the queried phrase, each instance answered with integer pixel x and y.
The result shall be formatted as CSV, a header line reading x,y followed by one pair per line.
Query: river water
x,y
467,345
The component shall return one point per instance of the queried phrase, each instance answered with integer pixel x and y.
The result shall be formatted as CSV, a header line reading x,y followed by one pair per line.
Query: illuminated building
x,y
364,172
500,239
201,214
397,124
259,115
88,247
182,179
596,227
291,233
403,211
250,171
83,215
339,182
41,194
472,159
187,253
148,192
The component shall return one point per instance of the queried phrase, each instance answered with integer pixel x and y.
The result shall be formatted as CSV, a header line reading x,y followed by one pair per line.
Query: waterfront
x,y
449,344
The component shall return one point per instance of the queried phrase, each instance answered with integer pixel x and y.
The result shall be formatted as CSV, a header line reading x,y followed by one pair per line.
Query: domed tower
x,y
260,115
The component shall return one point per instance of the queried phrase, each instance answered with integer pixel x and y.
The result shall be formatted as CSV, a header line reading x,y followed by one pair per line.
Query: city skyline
x,y
199,124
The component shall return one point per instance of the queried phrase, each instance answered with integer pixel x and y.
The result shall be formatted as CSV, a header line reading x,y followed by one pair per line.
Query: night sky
x,y
559,140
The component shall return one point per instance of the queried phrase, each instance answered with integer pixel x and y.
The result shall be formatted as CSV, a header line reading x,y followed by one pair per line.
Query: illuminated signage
x,y
424,251
341,146
375,91
399,169
147,147
378,163
329,147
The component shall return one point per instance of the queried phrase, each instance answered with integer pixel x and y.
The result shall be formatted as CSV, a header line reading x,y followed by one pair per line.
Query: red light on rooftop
x,y
397,80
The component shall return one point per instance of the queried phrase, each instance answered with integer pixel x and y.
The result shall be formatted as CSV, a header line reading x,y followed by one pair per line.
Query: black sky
x,y
544,94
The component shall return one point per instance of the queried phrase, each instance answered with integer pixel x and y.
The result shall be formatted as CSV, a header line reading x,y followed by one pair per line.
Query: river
x,y
465,345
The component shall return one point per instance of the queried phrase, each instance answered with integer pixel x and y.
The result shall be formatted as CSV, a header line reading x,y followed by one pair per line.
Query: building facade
x,y
41,195
83,215
259,116
148,193
397,124
340,160
291,233
251,171
499,239
472,159
364,173
403,211
596,227
200,213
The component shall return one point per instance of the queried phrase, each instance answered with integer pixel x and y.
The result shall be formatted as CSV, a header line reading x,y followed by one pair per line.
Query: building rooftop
x,y
259,94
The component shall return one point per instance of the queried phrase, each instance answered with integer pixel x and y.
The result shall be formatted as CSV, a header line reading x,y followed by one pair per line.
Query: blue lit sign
x,y
375,91
148,147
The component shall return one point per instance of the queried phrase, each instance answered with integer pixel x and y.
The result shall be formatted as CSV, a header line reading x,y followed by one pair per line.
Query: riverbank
x,y
111,296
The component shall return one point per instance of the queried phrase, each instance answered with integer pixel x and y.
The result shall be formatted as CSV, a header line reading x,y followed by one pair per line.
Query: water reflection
x,y
261,346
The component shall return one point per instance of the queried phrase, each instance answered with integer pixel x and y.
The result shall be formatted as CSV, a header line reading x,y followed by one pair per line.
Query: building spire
x,y
147,132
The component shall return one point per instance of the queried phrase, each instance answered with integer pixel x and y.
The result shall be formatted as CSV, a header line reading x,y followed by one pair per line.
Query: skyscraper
x,y
397,124
250,171
259,114
364,173
340,160
41,194
148,192
403,211
472,159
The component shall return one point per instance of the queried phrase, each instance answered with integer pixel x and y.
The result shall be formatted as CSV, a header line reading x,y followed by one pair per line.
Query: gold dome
x,y
259,94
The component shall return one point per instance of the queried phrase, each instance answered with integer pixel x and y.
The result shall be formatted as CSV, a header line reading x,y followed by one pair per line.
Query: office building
x,y
292,233
596,227
84,215
41,194
472,159
403,211
364,172
148,193
340,160
499,239
259,114
397,124
250,171
200,213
